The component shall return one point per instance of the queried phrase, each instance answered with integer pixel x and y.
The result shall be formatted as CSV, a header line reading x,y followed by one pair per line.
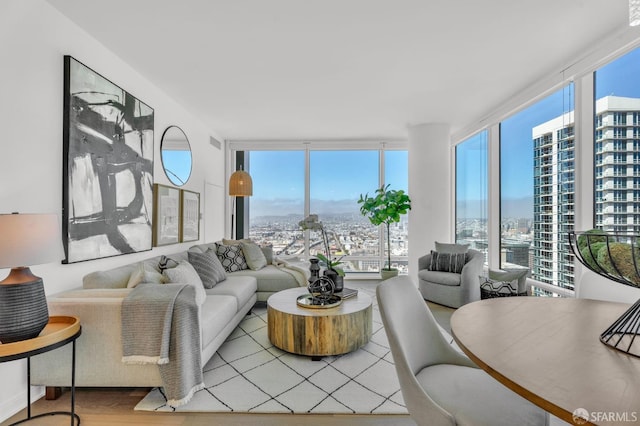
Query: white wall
x,y
431,190
34,38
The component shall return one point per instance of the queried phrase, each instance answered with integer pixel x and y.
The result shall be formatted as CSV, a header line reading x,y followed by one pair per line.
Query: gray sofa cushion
x,y
444,278
216,313
270,278
240,287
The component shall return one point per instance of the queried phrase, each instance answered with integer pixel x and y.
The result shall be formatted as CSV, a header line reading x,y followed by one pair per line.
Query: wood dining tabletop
x,y
548,350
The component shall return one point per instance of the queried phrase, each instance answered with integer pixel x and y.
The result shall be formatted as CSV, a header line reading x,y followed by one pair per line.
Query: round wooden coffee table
x,y
318,332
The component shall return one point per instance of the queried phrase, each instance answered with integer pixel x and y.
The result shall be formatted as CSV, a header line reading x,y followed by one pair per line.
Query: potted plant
x,y
333,272
386,206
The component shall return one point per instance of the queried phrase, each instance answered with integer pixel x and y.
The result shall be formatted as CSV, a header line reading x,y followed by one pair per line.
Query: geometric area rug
x,y
250,375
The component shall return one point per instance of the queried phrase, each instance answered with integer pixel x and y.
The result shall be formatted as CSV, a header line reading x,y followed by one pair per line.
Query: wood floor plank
x,y
115,406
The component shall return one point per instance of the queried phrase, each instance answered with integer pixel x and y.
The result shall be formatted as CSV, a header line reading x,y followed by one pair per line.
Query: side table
x,y
58,332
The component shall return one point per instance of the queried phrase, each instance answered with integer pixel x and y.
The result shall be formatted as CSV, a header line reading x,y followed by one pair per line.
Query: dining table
x,y
548,350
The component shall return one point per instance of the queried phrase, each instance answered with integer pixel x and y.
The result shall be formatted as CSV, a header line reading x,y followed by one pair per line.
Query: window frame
x,y
334,145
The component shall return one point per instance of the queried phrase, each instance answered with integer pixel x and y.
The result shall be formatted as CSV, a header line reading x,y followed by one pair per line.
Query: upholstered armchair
x,y
451,288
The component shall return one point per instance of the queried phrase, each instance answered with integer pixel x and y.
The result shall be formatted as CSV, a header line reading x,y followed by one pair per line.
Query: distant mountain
x,y
282,206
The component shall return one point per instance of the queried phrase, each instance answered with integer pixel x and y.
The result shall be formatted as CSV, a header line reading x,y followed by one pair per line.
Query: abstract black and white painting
x,y
107,167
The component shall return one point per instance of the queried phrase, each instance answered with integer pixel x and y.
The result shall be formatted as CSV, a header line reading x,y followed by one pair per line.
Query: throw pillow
x,y
231,257
184,273
451,248
253,255
166,262
208,267
268,253
447,262
490,288
145,274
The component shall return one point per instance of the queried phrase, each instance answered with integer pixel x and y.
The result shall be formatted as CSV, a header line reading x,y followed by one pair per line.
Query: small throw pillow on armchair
x,y
447,262
231,257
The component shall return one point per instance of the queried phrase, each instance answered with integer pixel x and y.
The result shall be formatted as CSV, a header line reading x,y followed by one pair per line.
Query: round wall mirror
x,y
176,155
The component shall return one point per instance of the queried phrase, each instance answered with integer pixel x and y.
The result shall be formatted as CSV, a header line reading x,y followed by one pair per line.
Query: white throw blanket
x,y
160,325
298,269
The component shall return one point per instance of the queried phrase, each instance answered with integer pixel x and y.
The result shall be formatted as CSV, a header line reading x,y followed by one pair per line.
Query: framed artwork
x,y
189,216
166,215
107,167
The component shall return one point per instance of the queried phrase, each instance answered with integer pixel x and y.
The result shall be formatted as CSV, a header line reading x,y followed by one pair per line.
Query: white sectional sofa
x,y
98,305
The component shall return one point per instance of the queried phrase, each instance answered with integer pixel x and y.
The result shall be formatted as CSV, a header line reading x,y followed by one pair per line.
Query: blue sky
x,y
340,177
618,78
337,179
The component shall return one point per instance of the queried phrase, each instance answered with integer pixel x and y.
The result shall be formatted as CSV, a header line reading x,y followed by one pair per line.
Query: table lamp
x,y
25,240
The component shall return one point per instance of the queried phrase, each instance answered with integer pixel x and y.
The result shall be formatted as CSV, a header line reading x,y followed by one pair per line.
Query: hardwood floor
x,y
114,406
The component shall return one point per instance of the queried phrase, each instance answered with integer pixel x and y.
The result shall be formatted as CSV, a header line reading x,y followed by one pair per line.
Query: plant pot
x,y
388,273
338,281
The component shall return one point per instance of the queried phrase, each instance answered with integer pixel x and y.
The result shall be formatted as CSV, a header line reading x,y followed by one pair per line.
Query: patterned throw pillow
x,y
208,266
490,288
165,263
447,262
184,273
253,255
231,257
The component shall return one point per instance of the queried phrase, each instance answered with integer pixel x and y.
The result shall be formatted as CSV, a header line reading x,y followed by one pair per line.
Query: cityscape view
x,y
537,185
351,237
336,180
537,176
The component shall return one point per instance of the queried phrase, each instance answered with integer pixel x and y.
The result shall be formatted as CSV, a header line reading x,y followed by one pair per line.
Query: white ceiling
x,y
335,69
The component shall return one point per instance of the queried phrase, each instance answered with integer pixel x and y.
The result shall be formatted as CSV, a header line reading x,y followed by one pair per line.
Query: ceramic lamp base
x,y
23,310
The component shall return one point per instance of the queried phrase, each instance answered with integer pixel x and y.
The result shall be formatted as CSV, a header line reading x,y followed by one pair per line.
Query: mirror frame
x,y
175,180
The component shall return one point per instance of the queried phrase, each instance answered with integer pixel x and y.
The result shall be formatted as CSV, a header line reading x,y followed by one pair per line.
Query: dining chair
x,y
440,385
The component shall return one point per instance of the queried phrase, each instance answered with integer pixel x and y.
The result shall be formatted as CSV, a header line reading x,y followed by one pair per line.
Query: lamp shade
x,y
25,240
29,239
240,184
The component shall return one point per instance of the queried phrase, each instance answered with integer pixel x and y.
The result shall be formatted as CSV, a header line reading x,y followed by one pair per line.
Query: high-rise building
x,y
617,183
617,164
553,200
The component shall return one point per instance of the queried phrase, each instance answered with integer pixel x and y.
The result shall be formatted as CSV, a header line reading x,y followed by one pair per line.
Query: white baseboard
x,y
18,402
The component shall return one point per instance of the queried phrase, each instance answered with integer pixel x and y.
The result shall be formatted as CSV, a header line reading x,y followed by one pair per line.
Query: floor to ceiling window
x,y
617,145
277,204
336,180
472,192
395,174
537,189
